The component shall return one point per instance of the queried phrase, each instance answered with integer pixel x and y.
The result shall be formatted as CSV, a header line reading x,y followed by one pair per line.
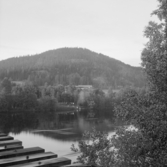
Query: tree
x,y
47,108
147,146
123,149
6,86
95,149
127,104
152,121
150,114
24,97
154,56
74,79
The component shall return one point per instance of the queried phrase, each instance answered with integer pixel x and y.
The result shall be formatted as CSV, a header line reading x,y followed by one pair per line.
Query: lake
x,y
46,136
47,140
51,140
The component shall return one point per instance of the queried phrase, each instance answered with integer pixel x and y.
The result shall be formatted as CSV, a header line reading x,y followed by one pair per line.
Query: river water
x,y
48,140
58,141
59,146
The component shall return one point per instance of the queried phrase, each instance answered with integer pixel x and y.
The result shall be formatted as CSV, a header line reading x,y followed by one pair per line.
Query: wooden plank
x,y
54,162
3,138
3,134
20,152
10,147
26,159
10,142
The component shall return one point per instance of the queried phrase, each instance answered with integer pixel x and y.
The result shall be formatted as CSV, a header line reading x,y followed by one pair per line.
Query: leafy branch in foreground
x,y
126,147
95,149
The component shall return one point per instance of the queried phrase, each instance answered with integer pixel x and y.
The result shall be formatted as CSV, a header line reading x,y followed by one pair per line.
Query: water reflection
x,y
68,134
57,146
58,141
30,132
17,123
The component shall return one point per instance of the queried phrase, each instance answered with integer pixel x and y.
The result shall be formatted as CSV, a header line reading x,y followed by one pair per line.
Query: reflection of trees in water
x,y
22,109
28,121
63,135
16,123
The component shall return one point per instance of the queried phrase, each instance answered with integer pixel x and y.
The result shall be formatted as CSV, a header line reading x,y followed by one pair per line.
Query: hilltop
x,y
72,66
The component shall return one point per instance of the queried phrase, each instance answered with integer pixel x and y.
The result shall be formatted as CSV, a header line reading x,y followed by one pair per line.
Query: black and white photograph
x,y
83,83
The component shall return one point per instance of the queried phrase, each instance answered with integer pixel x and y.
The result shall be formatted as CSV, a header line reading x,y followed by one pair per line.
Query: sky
x,y
111,27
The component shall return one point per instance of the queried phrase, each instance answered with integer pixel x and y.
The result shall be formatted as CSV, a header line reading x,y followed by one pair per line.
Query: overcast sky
x,y
111,27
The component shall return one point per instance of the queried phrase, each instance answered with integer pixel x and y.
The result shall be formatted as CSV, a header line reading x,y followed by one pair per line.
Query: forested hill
x,y
72,66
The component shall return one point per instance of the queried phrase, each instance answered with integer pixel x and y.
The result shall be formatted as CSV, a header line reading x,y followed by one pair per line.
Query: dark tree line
x,y
43,102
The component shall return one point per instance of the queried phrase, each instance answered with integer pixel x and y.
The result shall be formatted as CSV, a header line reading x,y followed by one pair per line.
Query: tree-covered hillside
x,y
72,66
